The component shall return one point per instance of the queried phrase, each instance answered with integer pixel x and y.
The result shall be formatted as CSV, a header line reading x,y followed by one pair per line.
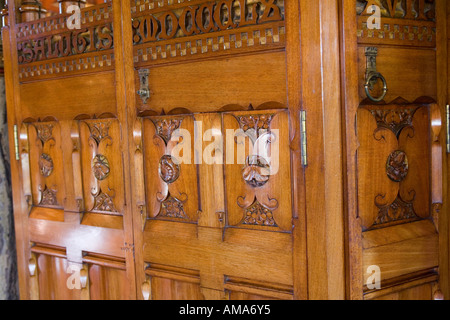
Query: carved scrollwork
x,y
100,167
397,166
169,171
45,165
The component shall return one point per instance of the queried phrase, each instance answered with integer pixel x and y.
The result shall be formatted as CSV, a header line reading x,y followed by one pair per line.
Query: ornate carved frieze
x,y
164,29
48,48
402,22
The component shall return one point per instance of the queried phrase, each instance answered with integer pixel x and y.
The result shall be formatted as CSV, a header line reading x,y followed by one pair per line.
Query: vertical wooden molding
x,y
442,42
350,101
126,112
331,99
294,76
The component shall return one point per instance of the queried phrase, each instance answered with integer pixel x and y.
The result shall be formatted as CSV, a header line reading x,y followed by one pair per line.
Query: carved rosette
x,y
258,215
256,172
169,171
397,166
100,167
45,165
166,127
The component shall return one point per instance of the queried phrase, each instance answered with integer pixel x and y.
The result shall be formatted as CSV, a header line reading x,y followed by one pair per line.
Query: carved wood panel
x,y
101,164
394,161
171,182
257,170
45,164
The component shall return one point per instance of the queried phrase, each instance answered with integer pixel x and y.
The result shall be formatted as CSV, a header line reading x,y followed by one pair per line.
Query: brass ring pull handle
x,y
367,86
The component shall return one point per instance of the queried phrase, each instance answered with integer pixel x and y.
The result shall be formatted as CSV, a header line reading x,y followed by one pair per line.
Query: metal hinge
x,y
448,128
303,138
16,143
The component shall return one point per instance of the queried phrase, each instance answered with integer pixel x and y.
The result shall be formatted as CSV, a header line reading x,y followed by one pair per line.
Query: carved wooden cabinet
x,y
226,149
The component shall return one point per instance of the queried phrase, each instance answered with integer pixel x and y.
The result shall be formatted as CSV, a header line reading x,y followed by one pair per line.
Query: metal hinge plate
x,y
448,127
303,137
16,143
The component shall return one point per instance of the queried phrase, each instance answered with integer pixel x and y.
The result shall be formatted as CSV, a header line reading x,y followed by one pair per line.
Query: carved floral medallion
x,y
256,172
100,167
169,171
45,165
397,166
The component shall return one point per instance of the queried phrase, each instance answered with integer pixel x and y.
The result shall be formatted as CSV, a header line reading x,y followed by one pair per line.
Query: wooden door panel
x,y
108,283
46,169
256,168
394,187
101,166
394,164
171,175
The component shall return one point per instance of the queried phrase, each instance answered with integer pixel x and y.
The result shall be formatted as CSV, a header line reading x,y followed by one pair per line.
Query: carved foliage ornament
x,y
104,203
166,127
100,131
258,215
172,208
399,210
394,119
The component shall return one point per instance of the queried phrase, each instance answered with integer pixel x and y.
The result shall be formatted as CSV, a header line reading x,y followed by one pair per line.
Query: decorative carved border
x,y
402,23
192,39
